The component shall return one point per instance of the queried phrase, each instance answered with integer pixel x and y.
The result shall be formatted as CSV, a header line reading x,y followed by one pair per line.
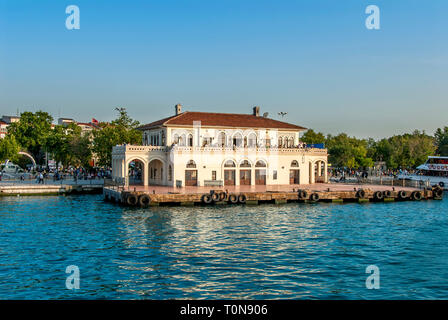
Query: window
x,y
245,164
260,164
170,173
229,164
280,141
274,175
213,175
191,164
294,163
190,140
222,139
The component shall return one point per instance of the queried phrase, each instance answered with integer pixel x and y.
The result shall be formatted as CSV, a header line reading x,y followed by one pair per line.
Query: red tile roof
x,y
222,120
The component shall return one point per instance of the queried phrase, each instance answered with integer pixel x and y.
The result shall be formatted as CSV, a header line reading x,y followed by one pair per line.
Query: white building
x,y
201,149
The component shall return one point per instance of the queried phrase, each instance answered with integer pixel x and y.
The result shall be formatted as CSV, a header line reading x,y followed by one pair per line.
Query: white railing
x,y
133,148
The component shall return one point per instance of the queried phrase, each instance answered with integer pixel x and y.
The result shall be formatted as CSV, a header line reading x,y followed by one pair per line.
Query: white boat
x,y
434,170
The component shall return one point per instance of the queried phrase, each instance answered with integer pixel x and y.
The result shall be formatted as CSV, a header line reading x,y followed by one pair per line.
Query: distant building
x,y
3,129
65,121
10,119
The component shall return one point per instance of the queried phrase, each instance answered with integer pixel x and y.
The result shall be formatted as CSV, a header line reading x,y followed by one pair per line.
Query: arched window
x,y
237,139
190,140
182,140
252,140
229,164
294,163
245,164
170,173
290,142
280,142
222,139
260,164
176,139
191,164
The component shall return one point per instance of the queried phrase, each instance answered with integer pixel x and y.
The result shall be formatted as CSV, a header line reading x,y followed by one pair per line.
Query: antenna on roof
x,y
282,114
265,115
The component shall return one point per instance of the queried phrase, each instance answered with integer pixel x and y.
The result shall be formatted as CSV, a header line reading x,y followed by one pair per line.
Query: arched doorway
x,y
229,173
191,174
245,173
155,171
294,173
260,173
136,171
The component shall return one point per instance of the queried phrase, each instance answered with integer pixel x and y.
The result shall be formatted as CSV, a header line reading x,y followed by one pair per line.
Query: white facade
x,y
205,155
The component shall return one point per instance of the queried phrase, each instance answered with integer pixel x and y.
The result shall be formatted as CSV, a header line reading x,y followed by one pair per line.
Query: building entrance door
x,y
260,177
245,177
229,177
294,175
191,178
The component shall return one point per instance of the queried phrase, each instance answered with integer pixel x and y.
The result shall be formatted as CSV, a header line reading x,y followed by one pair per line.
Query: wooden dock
x,y
145,198
28,189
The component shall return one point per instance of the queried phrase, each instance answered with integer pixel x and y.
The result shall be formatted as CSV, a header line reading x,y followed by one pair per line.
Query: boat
x,y
434,170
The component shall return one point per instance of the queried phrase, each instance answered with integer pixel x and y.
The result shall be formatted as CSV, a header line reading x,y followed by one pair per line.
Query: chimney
x,y
178,108
256,111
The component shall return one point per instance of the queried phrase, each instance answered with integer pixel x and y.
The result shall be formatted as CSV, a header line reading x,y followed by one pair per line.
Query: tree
x,y
312,137
407,150
345,151
441,139
120,131
62,144
31,132
9,148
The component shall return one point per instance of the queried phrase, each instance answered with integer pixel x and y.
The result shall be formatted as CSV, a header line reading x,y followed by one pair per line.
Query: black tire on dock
x,y
416,196
360,194
207,199
302,194
242,198
215,197
132,199
402,194
233,198
314,197
222,196
144,200
438,192
378,195
387,194
441,184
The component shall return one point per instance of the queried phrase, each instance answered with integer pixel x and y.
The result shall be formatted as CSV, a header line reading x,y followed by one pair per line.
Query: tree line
x,y
399,151
67,144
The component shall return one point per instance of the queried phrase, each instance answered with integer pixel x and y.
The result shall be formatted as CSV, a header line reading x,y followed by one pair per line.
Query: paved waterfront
x,y
290,251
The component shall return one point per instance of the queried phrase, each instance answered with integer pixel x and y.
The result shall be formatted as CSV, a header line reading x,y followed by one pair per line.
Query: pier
x,y
334,193
33,189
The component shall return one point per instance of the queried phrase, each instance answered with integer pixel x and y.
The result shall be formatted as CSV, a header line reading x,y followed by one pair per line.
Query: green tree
x,y
31,132
345,151
120,131
60,143
312,137
441,138
9,148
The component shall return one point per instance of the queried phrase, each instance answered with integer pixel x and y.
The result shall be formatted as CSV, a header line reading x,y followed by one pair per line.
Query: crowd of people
x,y
42,174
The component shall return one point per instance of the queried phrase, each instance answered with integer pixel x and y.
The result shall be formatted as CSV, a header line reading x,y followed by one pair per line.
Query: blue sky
x,y
314,59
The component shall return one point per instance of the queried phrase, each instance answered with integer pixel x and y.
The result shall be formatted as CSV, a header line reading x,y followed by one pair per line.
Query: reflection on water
x,y
288,251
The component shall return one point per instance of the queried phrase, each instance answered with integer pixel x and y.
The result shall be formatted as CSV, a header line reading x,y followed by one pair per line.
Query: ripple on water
x,y
291,251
